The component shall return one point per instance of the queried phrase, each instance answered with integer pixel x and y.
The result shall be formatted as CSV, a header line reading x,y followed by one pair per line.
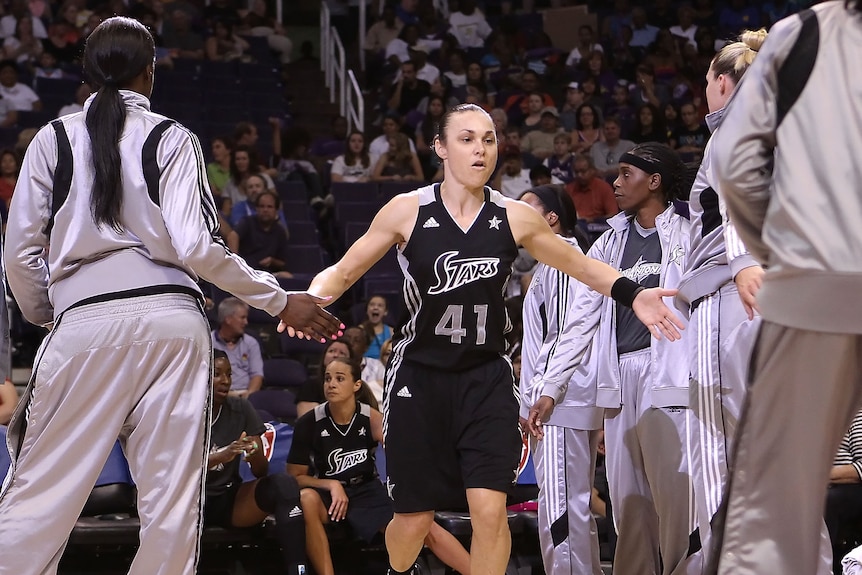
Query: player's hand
x,y
304,317
539,414
654,314
338,510
748,282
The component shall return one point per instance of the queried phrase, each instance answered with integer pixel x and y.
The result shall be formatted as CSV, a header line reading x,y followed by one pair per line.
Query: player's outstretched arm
x,y
391,225
531,231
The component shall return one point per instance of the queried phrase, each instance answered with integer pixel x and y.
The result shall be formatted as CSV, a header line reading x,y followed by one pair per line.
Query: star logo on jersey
x,y
495,223
676,254
453,273
362,431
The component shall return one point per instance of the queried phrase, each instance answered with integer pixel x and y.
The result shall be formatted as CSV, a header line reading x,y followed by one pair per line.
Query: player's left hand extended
x,y
748,282
539,414
304,317
654,314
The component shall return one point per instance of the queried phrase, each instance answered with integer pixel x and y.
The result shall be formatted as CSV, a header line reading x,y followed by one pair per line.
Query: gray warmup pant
x,y
565,462
648,477
721,338
806,388
137,368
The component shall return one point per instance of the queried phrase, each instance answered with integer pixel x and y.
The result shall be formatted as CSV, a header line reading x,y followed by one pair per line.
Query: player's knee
x,y
310,501
277,490
488,518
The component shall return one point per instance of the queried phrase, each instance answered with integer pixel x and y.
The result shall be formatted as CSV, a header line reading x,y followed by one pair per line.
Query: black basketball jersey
x,y
343,453
454,285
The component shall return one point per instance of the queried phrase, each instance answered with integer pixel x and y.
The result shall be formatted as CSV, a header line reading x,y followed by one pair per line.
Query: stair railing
x,y
349,98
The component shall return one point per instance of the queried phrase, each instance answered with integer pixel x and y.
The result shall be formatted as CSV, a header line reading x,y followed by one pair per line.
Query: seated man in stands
x,y
844,498
236,429
342,488
260,239
593,197
242,349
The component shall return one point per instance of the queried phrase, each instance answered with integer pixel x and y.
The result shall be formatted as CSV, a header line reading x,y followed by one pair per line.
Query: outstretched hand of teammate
x,y
654,314
748,282
539,414
304,317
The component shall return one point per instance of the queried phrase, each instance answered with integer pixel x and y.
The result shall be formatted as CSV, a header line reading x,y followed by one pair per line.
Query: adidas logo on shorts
x,y
404,392
431,223
295,512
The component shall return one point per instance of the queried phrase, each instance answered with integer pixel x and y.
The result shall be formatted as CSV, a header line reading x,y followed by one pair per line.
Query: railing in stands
x,y
333,62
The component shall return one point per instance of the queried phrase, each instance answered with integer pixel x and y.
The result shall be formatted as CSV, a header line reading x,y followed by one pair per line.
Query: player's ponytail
x,y
117,52
735,58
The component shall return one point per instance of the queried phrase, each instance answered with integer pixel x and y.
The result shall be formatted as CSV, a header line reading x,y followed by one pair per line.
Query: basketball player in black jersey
x,y
451,406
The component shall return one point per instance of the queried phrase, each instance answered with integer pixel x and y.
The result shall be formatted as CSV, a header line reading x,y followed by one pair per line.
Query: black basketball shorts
x,y
450,431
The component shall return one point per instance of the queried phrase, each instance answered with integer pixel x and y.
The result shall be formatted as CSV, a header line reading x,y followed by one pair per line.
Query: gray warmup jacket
x,y
800,211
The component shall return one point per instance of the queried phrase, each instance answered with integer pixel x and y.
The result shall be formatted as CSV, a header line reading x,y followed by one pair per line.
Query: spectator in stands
x,y
664,58
589,130
67,52
535,109
400,163
592,94
9,168
355,164
23,46
540,143
540,175
425,70
17,10
352,493
396,50
477,79
372,369
380,145
236,430
621,107
242,349
386,352
643,33
586,44
261,240
68,14
621,17
573,100
501,122
456,75
181,39
408,90
661,14
326,147
218,171
593,197
8,114
595,67
382,32
259,22
250,188
47,67
378,331
244,163
81,94
220,11
19,96
560,162
686,28
292,148
737,15
690,139
8,401
646,91
672,121
513,179
468,25
311,394
648,126
844,498
706,14
425,132
606,155
224,45
516,104
408,11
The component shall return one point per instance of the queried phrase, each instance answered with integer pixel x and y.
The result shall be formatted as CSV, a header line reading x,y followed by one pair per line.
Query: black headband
x,y
648,166
548,197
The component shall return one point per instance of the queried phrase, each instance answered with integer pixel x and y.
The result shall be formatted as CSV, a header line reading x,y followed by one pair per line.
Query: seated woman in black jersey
x,y
338,439
311,395
236,430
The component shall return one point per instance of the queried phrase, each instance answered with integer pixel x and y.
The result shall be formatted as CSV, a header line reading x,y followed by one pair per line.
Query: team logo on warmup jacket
x,y
641,270
453,273
340,461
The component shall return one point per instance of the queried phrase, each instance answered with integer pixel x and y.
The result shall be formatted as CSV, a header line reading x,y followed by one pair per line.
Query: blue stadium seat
x,y
306,259
389,190
355,191
291,191
346,212
283,373
303,233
